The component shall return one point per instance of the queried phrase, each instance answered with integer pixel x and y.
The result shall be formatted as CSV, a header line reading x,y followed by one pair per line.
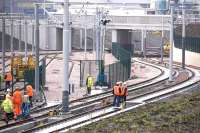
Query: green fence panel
x,y
191,43
120,71
29,76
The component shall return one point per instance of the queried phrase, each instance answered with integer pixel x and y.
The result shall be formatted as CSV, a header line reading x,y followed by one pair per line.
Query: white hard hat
x,y
8,90
118,83
124,83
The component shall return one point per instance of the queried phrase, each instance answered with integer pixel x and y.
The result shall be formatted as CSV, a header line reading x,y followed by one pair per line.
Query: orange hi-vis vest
x,y
125,91
29,90
17,97
8,77
118,91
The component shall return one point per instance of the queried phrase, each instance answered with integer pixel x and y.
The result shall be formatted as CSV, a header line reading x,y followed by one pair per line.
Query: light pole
x,y
65,93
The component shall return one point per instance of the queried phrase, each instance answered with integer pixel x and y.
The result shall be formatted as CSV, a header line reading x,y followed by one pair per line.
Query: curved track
x,y
90,106
62,124
145,96
90,99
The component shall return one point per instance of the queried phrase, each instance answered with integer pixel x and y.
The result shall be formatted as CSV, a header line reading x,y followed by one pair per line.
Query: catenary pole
x,y
65,95
3,46
20,36
26,39
145,43
33,38
171,45
11,38
37,76
142,41
85,39
70,39
162,42
98,34
81,36
183,39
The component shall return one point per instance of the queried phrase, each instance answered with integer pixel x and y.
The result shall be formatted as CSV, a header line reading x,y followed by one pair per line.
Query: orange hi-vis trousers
x,y
17,109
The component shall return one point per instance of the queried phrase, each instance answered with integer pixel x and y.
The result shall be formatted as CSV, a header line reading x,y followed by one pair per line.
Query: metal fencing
x,y
113,72
89,67
123,56
119,71
191,40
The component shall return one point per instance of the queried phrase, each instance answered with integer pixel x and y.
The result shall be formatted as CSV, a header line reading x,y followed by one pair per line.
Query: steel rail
x,y
133,98
60,121
84,104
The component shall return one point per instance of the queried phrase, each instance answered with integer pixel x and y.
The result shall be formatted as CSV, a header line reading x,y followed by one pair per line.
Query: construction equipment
x,y
18,66
167,47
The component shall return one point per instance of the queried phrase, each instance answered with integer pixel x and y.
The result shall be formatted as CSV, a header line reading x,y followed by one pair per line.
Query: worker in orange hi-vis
x,y
29,92
8,78
17,102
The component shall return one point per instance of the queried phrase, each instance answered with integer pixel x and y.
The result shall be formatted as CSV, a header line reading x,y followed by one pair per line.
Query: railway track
x,y
63,123
71,117
147,97
2,90
108,93
78,107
